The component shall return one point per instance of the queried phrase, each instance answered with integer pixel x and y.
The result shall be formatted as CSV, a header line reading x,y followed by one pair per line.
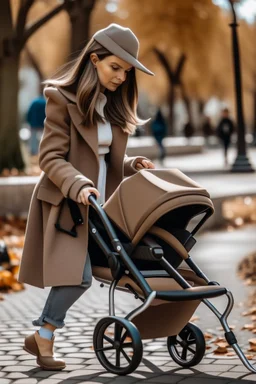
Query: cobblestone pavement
x,y
74,342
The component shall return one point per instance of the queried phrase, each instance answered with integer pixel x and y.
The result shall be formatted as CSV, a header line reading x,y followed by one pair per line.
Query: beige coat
x,y
69,161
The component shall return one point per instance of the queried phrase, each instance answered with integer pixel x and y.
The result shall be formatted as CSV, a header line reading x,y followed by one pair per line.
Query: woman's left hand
x,y
145,164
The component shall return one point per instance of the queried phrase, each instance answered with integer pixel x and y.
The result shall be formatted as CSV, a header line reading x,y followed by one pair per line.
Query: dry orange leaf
x,y
249,357
249,327
220,350
250,312
194,318
16,287
252,341
208,336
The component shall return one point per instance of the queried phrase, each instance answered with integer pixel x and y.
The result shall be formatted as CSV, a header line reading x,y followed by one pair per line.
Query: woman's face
x,y
112,71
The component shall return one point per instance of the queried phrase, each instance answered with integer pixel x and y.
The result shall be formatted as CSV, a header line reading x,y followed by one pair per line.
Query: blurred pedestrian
x,y
207,128
35,118
188,130
224,131
159,131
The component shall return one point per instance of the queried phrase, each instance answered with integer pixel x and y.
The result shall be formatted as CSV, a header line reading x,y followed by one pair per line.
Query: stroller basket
x,y
138,240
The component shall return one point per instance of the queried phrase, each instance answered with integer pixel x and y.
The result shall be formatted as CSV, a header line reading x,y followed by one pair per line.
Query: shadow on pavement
x,y
149,373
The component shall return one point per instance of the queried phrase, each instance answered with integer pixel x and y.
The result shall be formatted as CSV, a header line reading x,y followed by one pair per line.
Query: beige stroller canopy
x,y
142,199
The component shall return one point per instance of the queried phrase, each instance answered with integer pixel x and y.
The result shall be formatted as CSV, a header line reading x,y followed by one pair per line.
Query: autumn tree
x,y
13,37
198,29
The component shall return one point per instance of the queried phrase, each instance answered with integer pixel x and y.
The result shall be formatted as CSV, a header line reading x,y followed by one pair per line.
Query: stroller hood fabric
x,y
143,198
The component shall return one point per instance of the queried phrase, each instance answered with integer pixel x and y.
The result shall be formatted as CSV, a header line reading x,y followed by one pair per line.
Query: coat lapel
x,y
117,153
90,135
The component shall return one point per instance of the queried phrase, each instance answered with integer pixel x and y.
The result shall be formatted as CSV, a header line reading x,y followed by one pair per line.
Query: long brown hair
x,y
79,75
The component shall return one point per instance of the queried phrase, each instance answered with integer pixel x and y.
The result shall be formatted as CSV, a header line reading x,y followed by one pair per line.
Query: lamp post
x,y
241,163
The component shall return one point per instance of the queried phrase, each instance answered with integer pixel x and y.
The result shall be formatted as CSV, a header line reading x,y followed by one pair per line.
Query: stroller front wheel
x,y
188,347
117,344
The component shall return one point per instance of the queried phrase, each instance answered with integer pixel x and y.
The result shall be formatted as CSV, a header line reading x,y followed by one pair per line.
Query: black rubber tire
x,y
188,348
122,329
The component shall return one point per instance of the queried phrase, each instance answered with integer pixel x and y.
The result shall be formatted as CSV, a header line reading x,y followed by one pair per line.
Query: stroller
x,y
137,241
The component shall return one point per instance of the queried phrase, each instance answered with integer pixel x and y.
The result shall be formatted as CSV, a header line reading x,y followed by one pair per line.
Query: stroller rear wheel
x,y
188,347
117,344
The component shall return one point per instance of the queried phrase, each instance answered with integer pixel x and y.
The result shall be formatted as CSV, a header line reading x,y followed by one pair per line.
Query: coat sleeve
x,y
54,147
130,164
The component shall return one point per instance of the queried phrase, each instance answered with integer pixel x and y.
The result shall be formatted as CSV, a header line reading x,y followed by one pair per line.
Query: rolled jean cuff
x,y
42,320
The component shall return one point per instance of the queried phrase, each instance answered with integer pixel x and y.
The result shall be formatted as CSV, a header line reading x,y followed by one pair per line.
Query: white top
x,y
104,142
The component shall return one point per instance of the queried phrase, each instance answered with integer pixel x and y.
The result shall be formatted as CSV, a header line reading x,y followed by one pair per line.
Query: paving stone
x,y
68,350
215,367
10,347
88,350
251,378
239,368
16,375
78,373
6,363
26,381
9,333
79,355
52,381
30,362
42,373
71,367
6,357
17,352
228,361
92,361
62,344
17,368
5,381
17,340
233,375
25,357
70,360
165,379
201,380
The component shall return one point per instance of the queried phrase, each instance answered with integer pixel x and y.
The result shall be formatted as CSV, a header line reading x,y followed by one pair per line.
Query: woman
x,y
90,111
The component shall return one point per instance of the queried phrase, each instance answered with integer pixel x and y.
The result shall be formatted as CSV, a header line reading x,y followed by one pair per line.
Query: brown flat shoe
x,y
43,349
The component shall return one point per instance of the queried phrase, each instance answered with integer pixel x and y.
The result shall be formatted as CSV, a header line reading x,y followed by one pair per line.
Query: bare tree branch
x,y
35,26
166,65
22,16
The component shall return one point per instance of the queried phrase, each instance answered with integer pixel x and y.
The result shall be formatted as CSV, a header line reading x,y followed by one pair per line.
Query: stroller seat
x,y
163,284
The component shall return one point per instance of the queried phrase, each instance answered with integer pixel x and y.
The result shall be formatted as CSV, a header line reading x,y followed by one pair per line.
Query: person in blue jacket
x,y
159,131
35,118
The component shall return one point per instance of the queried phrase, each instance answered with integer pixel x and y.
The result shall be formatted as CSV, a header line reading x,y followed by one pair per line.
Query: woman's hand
x,y
85,193
145,164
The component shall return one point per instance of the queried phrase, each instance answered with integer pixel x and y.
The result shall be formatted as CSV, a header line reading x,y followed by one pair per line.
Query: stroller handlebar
x,y
105,220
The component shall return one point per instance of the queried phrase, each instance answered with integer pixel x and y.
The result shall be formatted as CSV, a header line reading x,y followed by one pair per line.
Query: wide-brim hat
x,y
123,43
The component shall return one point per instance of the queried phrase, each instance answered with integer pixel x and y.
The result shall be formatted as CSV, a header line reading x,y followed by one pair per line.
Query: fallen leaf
x,y
249,327
208,336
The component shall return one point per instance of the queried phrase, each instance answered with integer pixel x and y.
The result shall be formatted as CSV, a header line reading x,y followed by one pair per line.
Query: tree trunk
x,y
9,126
80,14
170,131
10,152
254,115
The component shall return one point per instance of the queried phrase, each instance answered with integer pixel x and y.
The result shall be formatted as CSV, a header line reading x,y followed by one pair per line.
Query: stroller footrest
x,y
194,293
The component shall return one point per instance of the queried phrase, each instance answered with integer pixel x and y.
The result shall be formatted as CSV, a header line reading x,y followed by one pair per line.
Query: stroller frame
x,y
119,253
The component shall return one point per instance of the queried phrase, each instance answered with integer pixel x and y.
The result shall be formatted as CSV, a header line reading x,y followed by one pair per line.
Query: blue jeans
x,y
60,299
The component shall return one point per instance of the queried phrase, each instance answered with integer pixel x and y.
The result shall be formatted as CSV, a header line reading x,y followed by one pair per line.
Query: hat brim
x,y
114,48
